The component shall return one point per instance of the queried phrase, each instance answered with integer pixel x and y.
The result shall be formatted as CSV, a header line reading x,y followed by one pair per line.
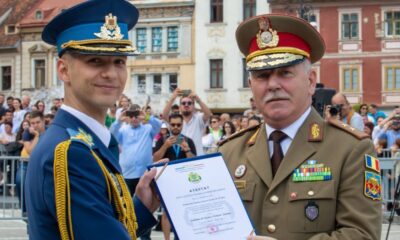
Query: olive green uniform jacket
x,y
277,205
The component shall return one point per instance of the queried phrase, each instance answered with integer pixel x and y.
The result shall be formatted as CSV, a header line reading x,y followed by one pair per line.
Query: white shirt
x,y
290,131
194,130
100,130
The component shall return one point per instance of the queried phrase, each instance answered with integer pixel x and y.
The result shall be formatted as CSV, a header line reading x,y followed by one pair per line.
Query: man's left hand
x,y
145,192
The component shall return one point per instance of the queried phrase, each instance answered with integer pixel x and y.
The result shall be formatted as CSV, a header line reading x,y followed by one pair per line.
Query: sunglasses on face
x,y
175,124
187,103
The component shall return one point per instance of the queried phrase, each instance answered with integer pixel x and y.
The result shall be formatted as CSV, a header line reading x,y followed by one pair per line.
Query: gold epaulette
x,y
347,128
118,193
240,133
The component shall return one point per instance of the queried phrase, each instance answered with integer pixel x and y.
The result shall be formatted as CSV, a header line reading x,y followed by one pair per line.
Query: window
x,y
39,73
216,14
392,24
350,26
156,39
172,39
392,78
249,8
141,39
173,82
157,84
216,73
38,15
245,74
6,78
141,83
350,79
11,29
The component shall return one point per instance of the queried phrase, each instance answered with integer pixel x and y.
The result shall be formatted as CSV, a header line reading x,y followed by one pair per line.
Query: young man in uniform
x,y
75,189
299,177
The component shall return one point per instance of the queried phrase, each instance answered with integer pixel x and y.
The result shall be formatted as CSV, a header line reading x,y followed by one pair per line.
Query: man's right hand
x,y
170,141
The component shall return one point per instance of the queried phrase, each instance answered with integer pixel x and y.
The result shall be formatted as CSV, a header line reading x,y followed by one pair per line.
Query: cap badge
x,y
240,171
110,29
266,36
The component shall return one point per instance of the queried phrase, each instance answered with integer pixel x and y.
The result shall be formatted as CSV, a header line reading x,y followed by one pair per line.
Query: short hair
x,y
8,123
49,115
10,98
214,117
36,114
373,105
175,106
8,111
258,119
174,116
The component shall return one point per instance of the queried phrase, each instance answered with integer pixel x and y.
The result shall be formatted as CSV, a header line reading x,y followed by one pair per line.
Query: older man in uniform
x,y
299,177
75,189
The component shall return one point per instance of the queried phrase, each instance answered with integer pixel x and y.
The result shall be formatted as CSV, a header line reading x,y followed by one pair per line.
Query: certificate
x,y
201,199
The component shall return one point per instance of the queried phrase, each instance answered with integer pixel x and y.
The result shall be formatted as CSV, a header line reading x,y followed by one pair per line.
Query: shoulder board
x,y
240,133
80,136
347,128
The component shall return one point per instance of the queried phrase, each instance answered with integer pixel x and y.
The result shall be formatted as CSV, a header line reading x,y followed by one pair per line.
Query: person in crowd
x,y
54,110
224,118
244,123
136,142
391,128
176,146
268,162
347,113
8,117
111,115
48,119
7,136
228,128
24,126
254,121
41,106
57,102
9,103
381,147
92,45
30,138
363,111
213,135
373,110
26,103
2,108
164,133
237,122
194,122
19,113
123,105
368,128
377,129
175,109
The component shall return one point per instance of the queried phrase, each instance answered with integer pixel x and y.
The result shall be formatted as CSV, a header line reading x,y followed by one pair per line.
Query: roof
x,y
48,9
11,12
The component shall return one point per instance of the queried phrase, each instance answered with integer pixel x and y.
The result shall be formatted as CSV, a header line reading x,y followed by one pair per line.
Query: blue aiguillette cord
x,y
177,147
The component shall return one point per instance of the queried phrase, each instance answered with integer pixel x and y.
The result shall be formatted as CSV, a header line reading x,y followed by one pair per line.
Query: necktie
x,y
113,147
277,156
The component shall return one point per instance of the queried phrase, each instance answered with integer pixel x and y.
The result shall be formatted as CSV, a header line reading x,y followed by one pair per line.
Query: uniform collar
x,y
292,129
99,129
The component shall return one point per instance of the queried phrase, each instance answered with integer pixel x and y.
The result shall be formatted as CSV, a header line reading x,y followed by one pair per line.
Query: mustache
x,y
274,96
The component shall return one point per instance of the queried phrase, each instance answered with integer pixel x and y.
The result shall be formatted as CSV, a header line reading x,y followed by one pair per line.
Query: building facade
x,y
165,37
221,79
362,39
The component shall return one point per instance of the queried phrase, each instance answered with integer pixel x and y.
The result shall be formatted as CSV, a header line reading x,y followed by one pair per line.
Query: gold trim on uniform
x,y
315,133
117,190
110,29
283,50
285,58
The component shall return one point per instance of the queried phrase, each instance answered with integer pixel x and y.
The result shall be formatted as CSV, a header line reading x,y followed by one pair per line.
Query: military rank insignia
x,y
372,163
80,136
315,133
312,171
311,211
372,186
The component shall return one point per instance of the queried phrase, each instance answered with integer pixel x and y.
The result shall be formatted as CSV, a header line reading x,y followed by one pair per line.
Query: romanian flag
x,y
372,163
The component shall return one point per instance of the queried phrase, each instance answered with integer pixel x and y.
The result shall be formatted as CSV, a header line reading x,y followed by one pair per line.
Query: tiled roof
x,y
11,12
49,9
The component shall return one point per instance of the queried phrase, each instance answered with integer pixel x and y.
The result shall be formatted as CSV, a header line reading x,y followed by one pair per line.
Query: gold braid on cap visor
x,y
274,59
277,50
79,45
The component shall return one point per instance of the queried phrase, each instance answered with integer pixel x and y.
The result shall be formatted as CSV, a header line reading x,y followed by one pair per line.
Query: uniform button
x,y
274,199
271,228
310,193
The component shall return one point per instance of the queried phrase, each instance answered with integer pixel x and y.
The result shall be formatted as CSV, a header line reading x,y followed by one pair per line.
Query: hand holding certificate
x,y
201,199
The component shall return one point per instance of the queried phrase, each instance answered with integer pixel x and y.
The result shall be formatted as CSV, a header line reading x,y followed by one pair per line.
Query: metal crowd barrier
x,y
10,203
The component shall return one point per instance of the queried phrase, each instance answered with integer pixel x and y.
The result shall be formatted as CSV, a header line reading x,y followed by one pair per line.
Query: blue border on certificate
x,y
190,160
